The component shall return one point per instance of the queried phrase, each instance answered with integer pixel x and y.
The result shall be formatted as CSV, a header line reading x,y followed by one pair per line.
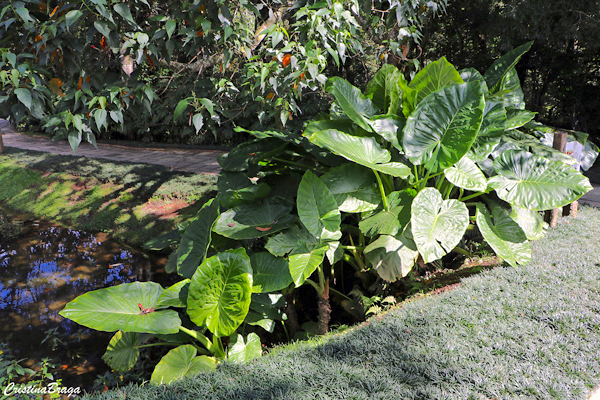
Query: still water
x,y
41,270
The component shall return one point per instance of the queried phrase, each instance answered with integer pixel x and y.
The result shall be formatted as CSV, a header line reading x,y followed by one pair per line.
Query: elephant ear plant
x,y
393,175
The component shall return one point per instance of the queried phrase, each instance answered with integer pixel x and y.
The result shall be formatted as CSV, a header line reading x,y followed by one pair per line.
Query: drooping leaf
x,y
356,106
285,242
241,351
441,130
530,221
362,150
122,308
180,108
390,128
24,96
122,351
163,241
494,75
175,295
304,261
504,235
384,90
466,175
196,239
392,257
270,273
123,10
72,16
353,187
437,224
517,118
180,362
393,221
317,208
220,292
170,26
261,218
535,183
509,91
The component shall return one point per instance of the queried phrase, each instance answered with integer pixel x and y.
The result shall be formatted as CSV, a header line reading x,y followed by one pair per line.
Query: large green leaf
x,y
353,187
530,221
357,106
494,75
175,295
270,273
504,235
441,130
317,208
509,92
433,77
24,96
390,128
241,157
362,150
492,128
241,351
196,239
392,257
122,351
466,175
437,224
516,118
128,307
384,90
236,188
285,242
304,261
393,221
261,218
180,362
535,183
220,292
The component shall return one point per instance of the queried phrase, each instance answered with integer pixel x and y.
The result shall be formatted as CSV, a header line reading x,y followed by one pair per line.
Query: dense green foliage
x,y
510,333
560,75
390,178
188,71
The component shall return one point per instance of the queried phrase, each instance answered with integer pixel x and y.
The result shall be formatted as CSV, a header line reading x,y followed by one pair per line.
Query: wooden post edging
x,y
1,143
551,216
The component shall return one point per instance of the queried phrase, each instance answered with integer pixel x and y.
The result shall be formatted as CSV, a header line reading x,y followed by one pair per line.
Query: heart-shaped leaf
x,y
196,239
433,77
500,67
466,175
285,242
175,295
504,235
128,307
437,224
270,273
261,218
179,363
384,90
362,150
353,187
441,130
236,188
392,257
317,208
241,351
392,221
530,221
305,261
122,351
220,292
535,183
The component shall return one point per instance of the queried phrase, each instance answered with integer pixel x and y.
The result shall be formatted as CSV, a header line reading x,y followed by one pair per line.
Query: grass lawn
x,y
132,202
531,332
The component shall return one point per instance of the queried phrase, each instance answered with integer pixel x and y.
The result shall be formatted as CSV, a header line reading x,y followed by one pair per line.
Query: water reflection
x,y
48,266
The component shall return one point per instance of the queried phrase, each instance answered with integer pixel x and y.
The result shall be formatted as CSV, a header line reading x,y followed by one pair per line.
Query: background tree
x,y
191,71
561,73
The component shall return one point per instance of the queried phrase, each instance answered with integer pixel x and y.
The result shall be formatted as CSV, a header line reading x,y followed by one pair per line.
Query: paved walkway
x,y
198,161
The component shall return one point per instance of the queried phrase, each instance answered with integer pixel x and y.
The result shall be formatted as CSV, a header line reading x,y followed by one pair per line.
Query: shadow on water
x,y
41,270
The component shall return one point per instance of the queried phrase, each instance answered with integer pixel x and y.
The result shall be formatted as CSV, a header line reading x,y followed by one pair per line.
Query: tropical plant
x,y
392,177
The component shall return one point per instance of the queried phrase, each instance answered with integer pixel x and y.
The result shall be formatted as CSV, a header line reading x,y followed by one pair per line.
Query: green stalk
x,y
471,196
352,263
461,251
158,344
198,336
439,183
382,190
357,248
297,164
428,177
314,284
339,293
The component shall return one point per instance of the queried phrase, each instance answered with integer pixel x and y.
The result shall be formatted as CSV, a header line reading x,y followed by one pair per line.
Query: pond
x,y
44,266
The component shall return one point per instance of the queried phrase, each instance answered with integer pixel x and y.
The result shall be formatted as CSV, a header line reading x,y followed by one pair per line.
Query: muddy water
x,y
41,270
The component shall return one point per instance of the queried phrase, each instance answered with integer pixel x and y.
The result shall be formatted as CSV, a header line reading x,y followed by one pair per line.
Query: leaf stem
x,y
198,336
339,293
359,248
297,164
314,284
471,196
382,190
462,251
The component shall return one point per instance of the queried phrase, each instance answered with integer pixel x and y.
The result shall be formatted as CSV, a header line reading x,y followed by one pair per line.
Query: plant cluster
x,y
176,71
392,177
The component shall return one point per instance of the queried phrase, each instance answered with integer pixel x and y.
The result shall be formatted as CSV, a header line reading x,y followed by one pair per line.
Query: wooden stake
x,y
1,143
560,144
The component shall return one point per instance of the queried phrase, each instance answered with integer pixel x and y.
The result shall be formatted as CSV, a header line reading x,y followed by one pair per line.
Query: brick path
x,y
198,161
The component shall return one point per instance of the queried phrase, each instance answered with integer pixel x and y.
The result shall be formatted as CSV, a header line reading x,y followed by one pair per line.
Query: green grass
x,y
531,332
99,195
